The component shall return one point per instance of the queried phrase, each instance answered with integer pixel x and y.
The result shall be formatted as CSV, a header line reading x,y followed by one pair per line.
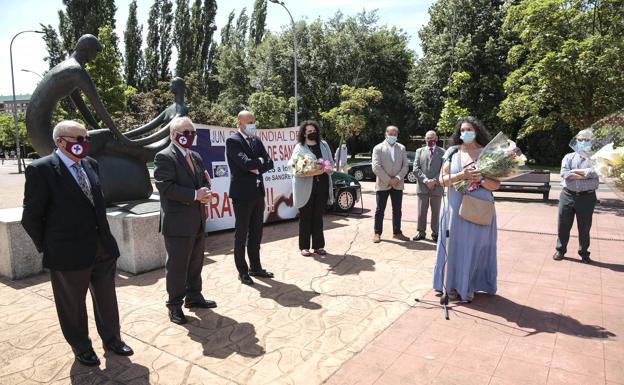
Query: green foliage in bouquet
x,y
495,165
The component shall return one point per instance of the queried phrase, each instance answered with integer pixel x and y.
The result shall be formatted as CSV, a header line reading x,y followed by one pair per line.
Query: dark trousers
x,y
185,259
248,232
70,292
424,201
581,206
311,221
396,196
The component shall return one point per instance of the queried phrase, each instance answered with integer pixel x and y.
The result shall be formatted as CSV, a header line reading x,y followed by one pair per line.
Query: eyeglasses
x,y
79,138
188,132
583,140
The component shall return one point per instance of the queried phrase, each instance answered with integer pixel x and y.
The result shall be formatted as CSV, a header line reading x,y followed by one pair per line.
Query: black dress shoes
x,y
261,273
434,238
177,316
557,256
245,279
88,358
202,303
120,348
419,237
586,260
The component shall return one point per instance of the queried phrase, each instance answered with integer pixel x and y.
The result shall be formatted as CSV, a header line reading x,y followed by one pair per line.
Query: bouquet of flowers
x,y
501,159
609,164
326,165
306,163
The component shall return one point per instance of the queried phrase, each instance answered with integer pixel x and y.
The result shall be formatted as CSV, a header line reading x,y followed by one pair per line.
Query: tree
x,y
7,131
271,111
462,36
208,46
56,53
348,119
453,111
183,37
165,45
133,40
84,16
257,23
568,65
105,71
152,53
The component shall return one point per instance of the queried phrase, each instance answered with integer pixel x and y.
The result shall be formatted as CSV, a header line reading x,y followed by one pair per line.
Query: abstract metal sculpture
x,y
122,156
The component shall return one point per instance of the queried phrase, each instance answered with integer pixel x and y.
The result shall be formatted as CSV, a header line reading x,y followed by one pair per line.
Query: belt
x,y
578,193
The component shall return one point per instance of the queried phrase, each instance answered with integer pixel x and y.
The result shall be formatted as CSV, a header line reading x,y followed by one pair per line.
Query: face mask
x,y
431,143
584,146
468,136
313,136
251,129
79,150
185,139
391,139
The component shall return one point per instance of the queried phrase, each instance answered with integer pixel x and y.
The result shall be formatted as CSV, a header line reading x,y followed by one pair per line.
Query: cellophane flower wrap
x,y
609,164
500,160
326,164
304,164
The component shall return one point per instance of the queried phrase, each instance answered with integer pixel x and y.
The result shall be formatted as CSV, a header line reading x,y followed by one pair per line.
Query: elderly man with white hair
x,y
427,165
65,215
184,190
579,182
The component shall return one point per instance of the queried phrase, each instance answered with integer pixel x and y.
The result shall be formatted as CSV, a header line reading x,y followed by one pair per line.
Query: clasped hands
x,y
204,194
471,174
577,174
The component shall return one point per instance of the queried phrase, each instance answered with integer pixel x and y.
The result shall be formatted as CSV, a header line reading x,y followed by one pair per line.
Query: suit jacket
x,y
425,169
242,157
59,217
385,169
180,213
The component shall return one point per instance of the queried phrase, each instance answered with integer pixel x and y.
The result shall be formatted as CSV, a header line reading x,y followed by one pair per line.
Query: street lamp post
x,y
17,138
32,72
292,21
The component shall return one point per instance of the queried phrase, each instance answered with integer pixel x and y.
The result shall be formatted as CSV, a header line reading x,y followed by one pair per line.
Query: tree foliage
x,y
133,39
271,110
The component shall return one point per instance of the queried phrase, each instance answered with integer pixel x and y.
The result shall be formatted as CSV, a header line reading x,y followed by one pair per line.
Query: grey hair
x,y
586,133
431,132
61,128
392,128
180,121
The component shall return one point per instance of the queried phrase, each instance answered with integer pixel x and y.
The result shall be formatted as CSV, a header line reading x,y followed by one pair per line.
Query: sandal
x,y
320,251
306,253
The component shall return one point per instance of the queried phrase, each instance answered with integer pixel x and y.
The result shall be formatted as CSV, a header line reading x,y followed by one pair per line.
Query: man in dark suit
x,y
427,166
248,160
65,215
184,191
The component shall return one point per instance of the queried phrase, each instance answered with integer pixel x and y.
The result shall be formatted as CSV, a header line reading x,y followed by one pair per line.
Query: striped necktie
x,y
82,182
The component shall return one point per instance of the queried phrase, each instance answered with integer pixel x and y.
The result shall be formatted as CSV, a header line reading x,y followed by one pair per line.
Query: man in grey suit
x,y
427,165
390,165
184,190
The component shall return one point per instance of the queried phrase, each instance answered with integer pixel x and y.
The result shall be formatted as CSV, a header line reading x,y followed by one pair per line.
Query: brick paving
x,y
350,317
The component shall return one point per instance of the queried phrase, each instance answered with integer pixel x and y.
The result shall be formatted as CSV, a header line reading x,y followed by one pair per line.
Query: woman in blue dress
x,y
471,247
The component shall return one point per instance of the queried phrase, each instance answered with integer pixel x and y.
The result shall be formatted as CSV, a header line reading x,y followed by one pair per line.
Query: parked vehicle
x,y
347,191
364,170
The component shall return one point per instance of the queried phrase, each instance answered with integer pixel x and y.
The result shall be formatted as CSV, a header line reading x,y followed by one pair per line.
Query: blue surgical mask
x,y
468,136
584,146
250,129
391,139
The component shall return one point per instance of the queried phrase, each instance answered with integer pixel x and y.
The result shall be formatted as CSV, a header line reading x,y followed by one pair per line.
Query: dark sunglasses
x,y
583,140
188,132
79,138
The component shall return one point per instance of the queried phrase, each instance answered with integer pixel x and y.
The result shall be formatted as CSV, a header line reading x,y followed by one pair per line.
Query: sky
x,y
29,49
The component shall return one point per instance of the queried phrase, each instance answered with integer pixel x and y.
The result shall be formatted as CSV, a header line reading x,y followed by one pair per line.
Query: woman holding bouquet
x,y
471,247
312,165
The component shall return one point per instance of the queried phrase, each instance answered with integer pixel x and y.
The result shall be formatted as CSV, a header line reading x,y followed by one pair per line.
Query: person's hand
x,y
471,174
255,171
576,176
328,171
203,195
431,183
394,182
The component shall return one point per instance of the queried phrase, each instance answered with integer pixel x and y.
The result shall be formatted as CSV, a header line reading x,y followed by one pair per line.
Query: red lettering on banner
x,y
220,206
285,151
227,207
214,206
269,197
271,149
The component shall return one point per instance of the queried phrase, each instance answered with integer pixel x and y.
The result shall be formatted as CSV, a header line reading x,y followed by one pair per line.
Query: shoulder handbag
x,y
475,210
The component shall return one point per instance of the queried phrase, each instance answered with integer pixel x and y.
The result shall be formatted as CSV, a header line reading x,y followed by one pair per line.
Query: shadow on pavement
x,y
118,369
285,294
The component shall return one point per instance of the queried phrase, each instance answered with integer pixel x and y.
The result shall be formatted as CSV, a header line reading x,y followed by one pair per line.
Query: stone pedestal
x,y
18,256
135,227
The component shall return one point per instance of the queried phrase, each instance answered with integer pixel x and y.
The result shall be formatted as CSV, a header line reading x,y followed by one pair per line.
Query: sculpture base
x,y
135,227
133,224
19,257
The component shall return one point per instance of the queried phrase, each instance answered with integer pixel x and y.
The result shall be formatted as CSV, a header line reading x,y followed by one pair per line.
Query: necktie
x,y
190,162
430,153
82,182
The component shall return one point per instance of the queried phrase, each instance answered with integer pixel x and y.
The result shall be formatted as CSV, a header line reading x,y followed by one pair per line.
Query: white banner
x,y
279,142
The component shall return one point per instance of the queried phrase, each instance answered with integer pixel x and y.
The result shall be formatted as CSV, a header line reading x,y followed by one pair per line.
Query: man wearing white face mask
x,y
248,160
579,182
390,165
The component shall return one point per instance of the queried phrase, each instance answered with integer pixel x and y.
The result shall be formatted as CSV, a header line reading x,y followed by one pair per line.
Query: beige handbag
x,y
476,210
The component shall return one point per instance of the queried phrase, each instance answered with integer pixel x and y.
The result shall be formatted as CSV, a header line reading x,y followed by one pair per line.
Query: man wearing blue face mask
x,y
579,182
390,165
247,159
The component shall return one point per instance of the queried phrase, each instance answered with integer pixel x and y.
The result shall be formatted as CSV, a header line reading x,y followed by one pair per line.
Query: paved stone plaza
x,y
350,317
